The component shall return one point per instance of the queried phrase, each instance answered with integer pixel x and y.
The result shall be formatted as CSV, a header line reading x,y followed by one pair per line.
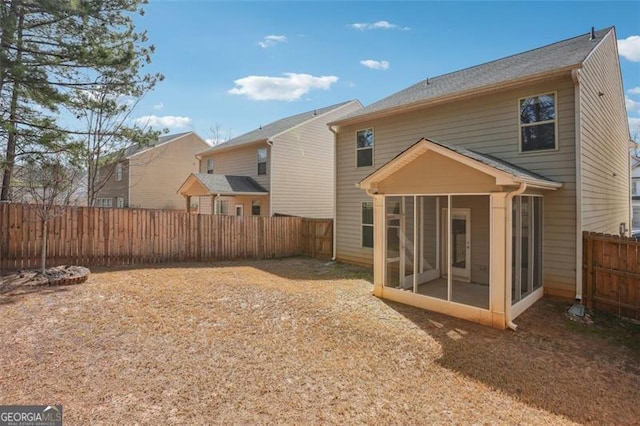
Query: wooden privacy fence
x,y
611,279
103,236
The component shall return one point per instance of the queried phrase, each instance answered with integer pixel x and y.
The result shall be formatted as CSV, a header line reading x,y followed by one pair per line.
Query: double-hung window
x,y
367,224
538,123
119,172
255,207
104,202
262,161
210,166
222,207
364,148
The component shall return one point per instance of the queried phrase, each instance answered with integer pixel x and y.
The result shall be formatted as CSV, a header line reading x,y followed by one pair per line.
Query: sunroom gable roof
x,y
504,172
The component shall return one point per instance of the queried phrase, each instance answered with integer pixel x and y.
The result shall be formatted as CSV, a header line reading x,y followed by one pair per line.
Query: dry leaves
x,y
295,341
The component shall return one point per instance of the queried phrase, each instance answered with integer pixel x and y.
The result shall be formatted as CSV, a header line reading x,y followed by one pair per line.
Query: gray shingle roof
x,y
564,54
272,129
226,184
496,163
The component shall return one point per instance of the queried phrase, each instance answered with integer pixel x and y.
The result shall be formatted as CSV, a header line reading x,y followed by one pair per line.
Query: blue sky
x,y
237,65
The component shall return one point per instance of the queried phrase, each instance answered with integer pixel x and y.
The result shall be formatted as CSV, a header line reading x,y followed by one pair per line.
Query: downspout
x,y
335,192
270,163
509,250
575,75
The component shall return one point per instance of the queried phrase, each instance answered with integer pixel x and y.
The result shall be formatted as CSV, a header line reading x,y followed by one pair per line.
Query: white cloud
x,y
631,104
167,121
288,88
375,65
379,25
634,91
629,48
270,40
158,106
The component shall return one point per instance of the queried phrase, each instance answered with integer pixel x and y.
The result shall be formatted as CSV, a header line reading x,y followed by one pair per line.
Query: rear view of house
x,y
282,168
148,177
469,192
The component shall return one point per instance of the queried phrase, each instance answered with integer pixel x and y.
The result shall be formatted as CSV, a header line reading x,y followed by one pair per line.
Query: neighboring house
x,y
283,168
635,193
148,177
469,192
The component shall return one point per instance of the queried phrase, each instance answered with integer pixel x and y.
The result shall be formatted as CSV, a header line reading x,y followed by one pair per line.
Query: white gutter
x,y
575,75
270,163
335,191
509,250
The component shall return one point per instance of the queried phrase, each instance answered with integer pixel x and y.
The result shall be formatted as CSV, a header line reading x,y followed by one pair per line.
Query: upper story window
x,y
364,148
210,166
119,172
635,187
262,161
538,123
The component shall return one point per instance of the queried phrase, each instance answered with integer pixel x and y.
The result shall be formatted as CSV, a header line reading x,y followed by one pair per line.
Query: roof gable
x,y
203,183
504,173
135,150
560,56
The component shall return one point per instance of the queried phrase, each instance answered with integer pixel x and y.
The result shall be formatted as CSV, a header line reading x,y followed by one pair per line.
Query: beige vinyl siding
x,y
604,135
303,169
205,204
488,124
241,161
156,174
113,188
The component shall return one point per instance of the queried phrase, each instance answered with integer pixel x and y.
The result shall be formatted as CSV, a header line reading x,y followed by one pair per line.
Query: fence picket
x,y
612,274
93,236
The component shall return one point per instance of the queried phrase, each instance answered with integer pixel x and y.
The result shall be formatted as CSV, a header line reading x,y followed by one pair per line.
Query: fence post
x,y
590,278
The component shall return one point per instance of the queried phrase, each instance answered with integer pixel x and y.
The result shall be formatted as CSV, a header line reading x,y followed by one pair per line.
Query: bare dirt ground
x,y
300,341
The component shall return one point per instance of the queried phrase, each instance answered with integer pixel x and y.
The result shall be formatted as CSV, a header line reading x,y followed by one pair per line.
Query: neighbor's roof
x,y
563,55
271,130
227,184
136,149
509,173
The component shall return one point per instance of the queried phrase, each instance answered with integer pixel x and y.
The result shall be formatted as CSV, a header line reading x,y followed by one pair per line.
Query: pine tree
x,y
50,49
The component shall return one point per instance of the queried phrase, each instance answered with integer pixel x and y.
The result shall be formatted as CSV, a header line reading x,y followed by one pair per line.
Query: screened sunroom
x,y
458,232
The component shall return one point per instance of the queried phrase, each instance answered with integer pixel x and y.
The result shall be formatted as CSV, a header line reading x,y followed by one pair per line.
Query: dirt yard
x,y
300,341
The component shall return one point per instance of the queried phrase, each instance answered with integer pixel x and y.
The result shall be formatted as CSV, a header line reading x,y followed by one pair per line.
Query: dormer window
x,y
538,123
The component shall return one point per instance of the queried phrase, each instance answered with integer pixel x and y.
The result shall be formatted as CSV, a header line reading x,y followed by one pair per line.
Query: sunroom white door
x,y
460,239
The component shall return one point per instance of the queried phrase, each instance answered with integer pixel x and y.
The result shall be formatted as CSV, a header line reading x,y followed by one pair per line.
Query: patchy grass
x,y
298,341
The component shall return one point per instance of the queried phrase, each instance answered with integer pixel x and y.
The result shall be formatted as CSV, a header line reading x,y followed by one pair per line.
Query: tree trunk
x,y
43,259
10,157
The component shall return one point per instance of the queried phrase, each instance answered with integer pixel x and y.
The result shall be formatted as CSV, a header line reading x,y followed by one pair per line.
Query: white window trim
x,y
258,162
217,207
212,169
256,203
372,148
555,129
362,224
118,172
104,202
120,202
